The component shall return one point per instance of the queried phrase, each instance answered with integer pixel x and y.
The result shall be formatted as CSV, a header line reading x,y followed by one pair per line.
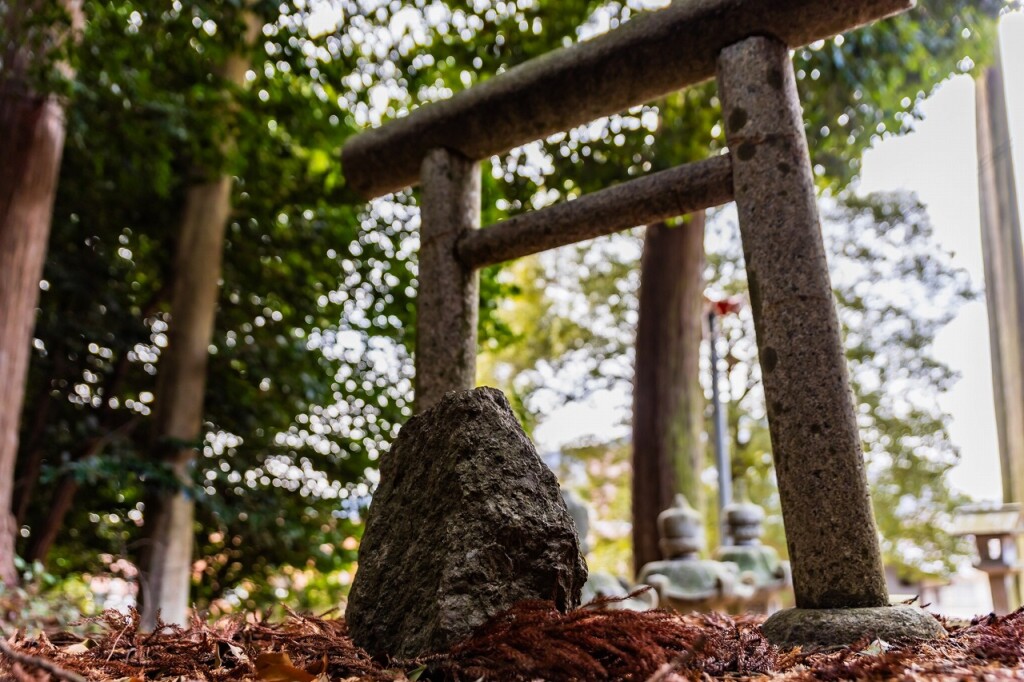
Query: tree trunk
x,y
30,463
32,140
165,562
668,403
166,558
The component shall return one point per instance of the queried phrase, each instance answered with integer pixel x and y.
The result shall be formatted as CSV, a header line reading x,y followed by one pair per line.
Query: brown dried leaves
x,y
529,642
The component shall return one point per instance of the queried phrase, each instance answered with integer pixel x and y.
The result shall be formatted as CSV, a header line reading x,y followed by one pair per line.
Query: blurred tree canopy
x,y
310,370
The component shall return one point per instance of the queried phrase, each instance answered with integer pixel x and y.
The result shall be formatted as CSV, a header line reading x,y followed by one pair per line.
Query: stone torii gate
x,y
831,534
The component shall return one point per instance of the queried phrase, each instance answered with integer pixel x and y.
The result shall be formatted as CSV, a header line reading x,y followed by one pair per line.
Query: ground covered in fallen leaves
x,y
531,642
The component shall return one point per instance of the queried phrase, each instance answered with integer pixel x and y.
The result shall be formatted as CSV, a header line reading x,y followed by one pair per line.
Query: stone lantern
x,y
996,531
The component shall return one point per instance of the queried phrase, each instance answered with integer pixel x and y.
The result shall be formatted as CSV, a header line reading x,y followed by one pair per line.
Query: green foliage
x,y
309,374
36,42
868,84
43,602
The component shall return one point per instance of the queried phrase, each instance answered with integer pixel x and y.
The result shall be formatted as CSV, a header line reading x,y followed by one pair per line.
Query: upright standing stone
x,y
830,528
449,293
467,520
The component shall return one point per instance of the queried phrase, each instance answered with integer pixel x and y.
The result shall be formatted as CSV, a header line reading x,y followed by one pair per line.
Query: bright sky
x,y
939,162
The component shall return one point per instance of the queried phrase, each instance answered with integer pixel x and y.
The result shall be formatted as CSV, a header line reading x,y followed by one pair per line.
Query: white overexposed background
x,y
939,162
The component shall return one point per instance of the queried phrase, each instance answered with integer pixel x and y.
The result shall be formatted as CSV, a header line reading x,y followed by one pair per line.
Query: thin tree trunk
x,y
32,140
668,403
61,501
29,465
167,551
166,556
63,496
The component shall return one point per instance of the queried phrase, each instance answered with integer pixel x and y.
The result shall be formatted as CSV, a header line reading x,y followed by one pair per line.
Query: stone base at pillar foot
x,y
829,627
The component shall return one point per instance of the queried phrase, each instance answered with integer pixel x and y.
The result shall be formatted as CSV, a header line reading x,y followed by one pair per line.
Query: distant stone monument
x,y
759,564
467,521
683,580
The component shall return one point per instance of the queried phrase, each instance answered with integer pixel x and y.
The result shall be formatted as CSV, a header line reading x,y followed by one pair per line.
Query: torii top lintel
x,y
653,55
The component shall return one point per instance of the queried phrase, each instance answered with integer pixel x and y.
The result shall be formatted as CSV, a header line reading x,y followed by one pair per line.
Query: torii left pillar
x,y
449,292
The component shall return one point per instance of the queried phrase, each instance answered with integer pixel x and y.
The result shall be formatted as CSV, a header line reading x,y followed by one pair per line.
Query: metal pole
x,y
721,443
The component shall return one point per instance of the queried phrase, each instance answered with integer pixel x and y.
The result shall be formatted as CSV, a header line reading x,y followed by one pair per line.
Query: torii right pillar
x,y
833,544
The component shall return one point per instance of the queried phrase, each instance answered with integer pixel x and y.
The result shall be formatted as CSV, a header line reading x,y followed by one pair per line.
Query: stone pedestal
x,y
830,627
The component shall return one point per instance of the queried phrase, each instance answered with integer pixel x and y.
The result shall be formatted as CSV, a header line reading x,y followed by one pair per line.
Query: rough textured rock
x,y
466,521
829,627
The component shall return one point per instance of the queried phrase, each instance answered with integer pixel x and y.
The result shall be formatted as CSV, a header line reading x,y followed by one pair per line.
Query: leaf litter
x,y
531,641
